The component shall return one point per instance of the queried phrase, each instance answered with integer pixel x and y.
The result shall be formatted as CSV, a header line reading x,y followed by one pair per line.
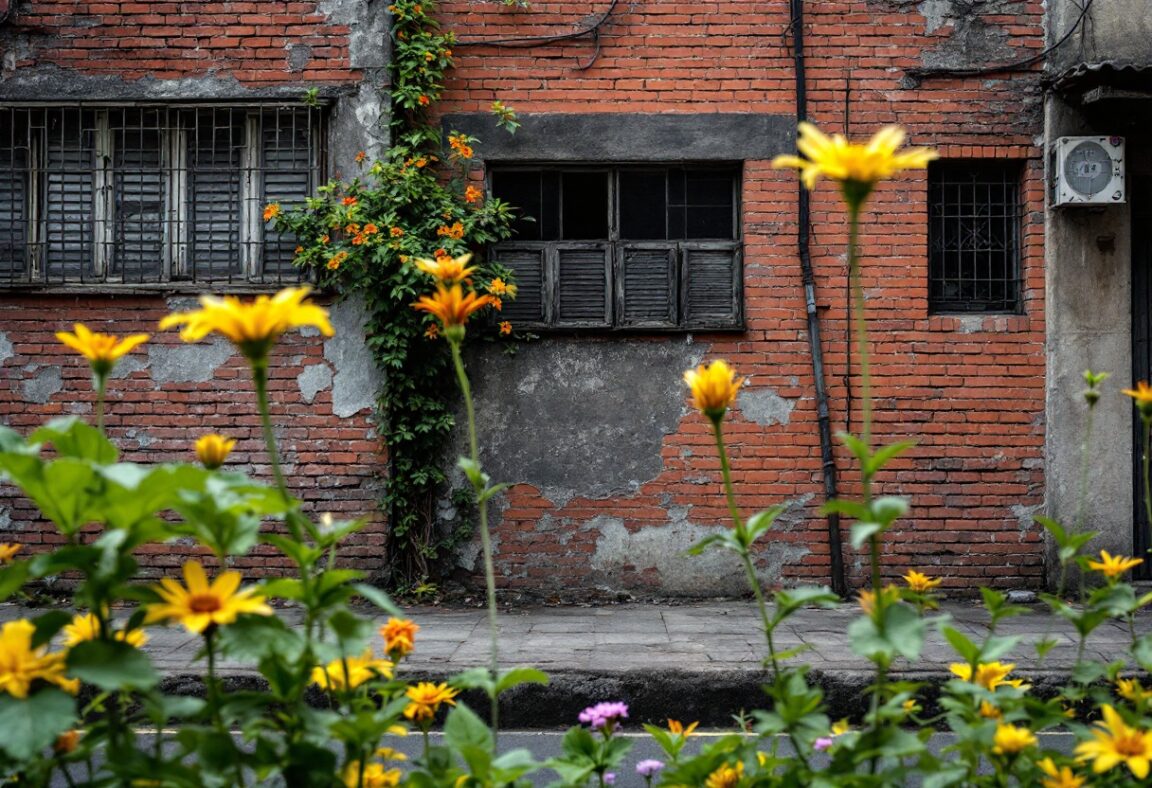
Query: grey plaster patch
x,y
765,406
45,383
298,56
357,380
610,136
133,362
5,519
578,418
187,363
662,548
1024,514
5,348
142,438
313,380
38,81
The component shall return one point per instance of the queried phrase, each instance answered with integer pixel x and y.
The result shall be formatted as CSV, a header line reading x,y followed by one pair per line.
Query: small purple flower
x,y
648,768
609,778
604,715
822,744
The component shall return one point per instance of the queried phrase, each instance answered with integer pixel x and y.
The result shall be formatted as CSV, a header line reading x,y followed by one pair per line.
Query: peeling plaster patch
x,y
298,56
1023,515
188,363
765,406
662,548
39,389
313,380
794,514
5,519
5,348
936,14
128,365
142,438
357,379
578,418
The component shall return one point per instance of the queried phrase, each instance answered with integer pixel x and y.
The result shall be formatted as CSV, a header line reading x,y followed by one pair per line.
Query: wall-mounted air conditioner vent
x,y
1088,171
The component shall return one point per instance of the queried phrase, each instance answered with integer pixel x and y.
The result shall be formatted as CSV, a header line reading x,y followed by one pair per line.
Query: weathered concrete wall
x,y
1112,30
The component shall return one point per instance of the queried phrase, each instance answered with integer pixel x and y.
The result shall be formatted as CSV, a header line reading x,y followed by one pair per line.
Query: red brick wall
x,y
332,463
969,390
161,40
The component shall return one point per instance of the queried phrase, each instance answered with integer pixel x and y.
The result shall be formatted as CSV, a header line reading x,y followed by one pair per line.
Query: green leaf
x,y
862,532
31,724
253,638
1142,651
886,509
462,728
968,650
997,646
12,578
112,665
48,625
904,629
854,509
474,678
71,437
518,676
885,454
378,598
856,446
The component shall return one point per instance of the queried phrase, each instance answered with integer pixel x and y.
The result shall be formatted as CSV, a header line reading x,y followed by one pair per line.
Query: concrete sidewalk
x,y
698,661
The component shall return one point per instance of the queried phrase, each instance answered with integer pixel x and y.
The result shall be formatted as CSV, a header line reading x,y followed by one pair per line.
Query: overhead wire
x,y
522,42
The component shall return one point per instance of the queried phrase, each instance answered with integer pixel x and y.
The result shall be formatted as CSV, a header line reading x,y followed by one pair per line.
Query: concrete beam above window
x,y
612,136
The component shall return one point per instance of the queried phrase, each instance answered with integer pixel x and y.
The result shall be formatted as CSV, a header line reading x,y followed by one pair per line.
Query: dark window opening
x,y
974,247
636,247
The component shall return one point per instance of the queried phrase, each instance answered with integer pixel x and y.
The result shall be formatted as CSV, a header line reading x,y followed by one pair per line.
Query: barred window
x,y
974,217
623,247
151,194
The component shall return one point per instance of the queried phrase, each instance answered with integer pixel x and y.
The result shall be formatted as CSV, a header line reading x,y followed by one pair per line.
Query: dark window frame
x,y
975,246
273,151
685,260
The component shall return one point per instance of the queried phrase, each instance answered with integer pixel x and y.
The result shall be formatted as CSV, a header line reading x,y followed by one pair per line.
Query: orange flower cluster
x,y
459,145
455,231
363,236
473,194
271,211
337,260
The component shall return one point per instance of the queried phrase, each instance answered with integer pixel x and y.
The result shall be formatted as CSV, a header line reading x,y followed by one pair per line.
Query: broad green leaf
x,y
997,646
904,629
888,508
12,578
474,678
854,509
856,446
253,638
31,724
378,598
112,665
71,437
48,625
885,454
462,728
518,676
862,532
968,650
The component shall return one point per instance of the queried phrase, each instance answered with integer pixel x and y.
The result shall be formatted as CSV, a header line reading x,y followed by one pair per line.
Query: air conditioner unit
x,y
1088,170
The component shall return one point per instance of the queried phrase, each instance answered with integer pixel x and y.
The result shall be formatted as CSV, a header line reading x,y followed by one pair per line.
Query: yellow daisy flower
x,y
727,776
351,672
399,636
213,449
921,583
21,665
857,167
1114,743
452,307
1010,739
447,269
201,605
101,350
1062,777
85,626
1112,566
989,675
425,699
1142,394
714,388
677,728
254,326
8,551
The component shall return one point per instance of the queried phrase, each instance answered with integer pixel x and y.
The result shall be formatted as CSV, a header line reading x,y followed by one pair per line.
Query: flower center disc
x,y
204,603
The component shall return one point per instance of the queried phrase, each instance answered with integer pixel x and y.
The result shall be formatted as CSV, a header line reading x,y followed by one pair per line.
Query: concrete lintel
x,y
614,136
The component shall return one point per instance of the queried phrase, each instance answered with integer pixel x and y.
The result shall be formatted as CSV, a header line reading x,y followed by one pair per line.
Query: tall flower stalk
x,y
1142,396
452,306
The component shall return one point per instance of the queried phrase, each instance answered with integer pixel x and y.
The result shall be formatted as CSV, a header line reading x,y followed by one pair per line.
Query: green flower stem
x,y
861,331
485,537
260,379
101,384
214,695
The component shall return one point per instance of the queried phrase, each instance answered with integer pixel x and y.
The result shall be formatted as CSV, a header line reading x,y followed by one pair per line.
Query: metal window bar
x,y
152,194
974,248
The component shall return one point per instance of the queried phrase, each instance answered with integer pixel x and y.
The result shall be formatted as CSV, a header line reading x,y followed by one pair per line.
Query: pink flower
x,y
648,768
604,715
822,744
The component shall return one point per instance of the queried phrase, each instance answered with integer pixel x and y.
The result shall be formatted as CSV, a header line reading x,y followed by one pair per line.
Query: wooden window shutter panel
x,y
583,273
646,285
712,284
528,265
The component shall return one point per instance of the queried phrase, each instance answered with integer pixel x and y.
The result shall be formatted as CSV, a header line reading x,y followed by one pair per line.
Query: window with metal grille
x,y
152,194
624,246
974,213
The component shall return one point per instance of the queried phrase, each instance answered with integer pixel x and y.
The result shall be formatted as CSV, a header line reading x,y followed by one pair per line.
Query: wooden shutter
x,y
14,162
215,148
528,265
69,190
646,285
582,275
138,190
712,285
287,178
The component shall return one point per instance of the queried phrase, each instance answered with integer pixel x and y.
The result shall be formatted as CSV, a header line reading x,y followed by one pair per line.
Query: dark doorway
x,y
1141,196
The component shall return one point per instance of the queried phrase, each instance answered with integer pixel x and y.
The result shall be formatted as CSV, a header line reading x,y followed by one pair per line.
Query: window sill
x,y
1001,323
158,289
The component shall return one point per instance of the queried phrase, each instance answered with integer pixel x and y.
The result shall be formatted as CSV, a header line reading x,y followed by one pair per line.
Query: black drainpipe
x,y
803,230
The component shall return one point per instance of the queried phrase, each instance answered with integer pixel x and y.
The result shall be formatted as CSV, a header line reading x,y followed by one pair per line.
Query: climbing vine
x,y
361,236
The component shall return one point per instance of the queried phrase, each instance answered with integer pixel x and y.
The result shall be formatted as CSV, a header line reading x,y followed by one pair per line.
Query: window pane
x,y
68,224
137,252
643,205
286,144
521,190
973,236
708,205
14,159
215,152
585,206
